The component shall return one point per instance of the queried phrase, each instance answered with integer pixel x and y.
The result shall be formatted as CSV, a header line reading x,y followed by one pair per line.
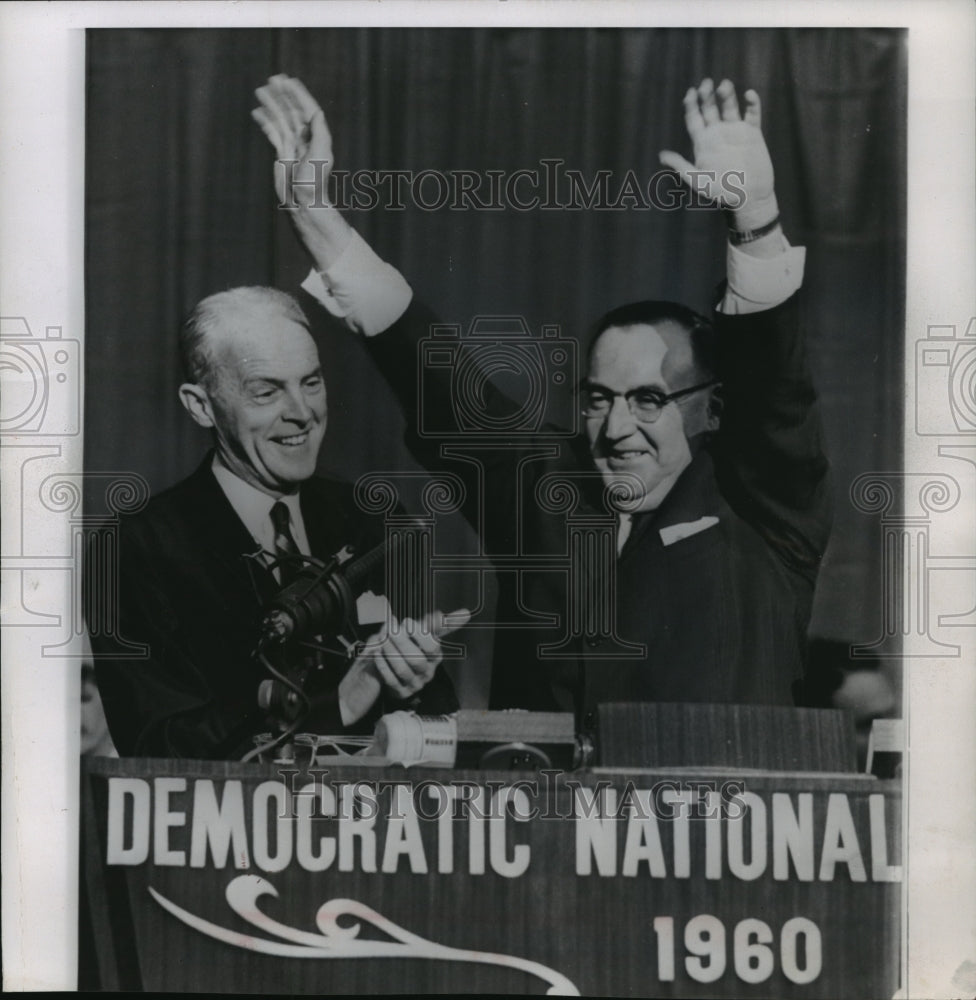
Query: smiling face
x,y
654,357
264,397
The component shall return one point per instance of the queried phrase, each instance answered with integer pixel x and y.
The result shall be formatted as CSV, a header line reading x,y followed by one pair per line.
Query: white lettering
x,y
445,796
664,930
218,825
136,791
840,841
164,818
275,794
679,823
498,827
305,803
359,797
643,838
476,831
751,954
596,834
881,871
788,950
705,939
713,836
755,809
793,836
403,834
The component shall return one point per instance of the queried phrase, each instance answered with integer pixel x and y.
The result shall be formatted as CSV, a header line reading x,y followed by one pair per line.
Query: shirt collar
x,y
253,507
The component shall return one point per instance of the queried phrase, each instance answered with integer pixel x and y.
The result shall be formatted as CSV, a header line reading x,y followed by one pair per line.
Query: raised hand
x,y
295,126
726,142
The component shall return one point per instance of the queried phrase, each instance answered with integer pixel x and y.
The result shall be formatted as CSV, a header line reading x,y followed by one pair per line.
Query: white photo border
x,y
42,87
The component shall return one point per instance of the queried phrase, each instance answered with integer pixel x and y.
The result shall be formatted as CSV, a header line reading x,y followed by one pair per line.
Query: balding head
x,y
224,315
689,335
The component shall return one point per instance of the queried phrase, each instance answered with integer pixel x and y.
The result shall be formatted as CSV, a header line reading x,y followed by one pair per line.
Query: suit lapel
x,y
232,550
325,520
693,496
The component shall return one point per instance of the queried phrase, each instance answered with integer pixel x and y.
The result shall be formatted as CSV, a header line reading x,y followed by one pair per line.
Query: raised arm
x,y
732,166
295,125
769,450
371,297
348,279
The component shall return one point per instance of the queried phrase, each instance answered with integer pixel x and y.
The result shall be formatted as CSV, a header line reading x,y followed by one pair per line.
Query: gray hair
x,y
196,356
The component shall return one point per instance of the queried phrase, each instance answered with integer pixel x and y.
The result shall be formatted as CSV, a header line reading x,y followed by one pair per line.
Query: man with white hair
x,y
200,563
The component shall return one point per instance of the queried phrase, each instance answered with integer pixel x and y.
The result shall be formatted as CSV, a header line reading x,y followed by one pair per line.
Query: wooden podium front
x,y
673,882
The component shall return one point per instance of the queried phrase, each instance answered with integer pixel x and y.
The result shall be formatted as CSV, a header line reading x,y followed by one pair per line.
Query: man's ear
x,y
715,405
196,402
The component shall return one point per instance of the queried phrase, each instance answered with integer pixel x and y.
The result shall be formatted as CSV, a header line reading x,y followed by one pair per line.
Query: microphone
x,y
321,597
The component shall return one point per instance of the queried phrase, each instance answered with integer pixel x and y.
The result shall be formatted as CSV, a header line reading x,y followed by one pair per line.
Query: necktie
x,y
284,542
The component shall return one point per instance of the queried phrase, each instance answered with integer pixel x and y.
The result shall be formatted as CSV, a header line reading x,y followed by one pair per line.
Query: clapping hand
x,y
402,658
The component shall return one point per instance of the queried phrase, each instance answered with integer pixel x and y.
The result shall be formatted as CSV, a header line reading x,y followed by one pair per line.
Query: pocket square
x,y
675,532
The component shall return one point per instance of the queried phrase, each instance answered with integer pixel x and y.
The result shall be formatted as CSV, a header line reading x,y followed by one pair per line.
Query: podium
x,y
668,881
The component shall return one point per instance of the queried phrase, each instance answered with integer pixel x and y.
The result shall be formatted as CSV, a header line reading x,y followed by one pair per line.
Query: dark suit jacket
x,y
188,590
722,614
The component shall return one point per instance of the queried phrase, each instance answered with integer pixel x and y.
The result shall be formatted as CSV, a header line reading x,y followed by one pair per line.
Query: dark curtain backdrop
x,y
179,205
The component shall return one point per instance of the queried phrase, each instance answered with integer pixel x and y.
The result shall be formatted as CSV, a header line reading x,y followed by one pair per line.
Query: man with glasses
x,y
700,438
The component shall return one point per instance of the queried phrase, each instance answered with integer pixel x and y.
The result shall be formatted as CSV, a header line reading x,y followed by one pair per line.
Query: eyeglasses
x,y
645,404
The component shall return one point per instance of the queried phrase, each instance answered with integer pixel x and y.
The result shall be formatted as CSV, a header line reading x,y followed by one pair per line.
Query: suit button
x,y
589,720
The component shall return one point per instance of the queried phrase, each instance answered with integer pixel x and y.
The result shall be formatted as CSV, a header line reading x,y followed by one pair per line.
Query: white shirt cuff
x,y
366,293
758,283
